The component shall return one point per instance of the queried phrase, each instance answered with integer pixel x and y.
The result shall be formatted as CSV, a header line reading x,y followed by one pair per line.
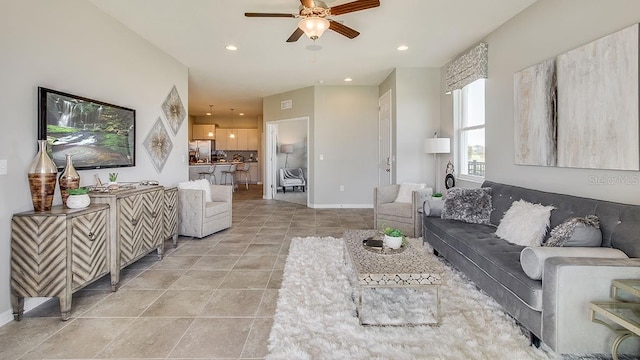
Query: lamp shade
x,y
286,148
437,146
313,26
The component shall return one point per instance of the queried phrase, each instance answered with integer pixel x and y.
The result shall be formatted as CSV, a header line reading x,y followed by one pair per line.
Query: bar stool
x,y
210,173
230,172
244,170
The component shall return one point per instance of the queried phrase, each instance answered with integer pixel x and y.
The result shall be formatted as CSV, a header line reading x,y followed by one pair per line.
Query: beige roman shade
x,y
467,68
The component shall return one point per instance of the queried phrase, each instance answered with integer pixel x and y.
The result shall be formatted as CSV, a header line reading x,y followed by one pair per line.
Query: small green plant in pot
x,y
113,177
394,238
78,198
437,196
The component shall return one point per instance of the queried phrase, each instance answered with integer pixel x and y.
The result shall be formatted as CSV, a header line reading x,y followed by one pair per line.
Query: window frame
x,y
459,130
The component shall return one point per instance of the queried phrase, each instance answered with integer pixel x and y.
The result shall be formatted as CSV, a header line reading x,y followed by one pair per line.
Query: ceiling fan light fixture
x,y
313,26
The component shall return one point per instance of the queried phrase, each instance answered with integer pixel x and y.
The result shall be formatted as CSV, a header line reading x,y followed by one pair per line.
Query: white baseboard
x,y
29,304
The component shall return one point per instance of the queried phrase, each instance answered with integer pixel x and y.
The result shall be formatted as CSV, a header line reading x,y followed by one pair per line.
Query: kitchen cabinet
x,y
254,173
55,253
201,132
245,139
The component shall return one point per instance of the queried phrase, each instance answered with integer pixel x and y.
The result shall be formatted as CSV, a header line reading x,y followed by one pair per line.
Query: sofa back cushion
x,y
619,223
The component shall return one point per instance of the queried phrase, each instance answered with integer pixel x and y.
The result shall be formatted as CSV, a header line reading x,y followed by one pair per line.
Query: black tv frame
x,y
98,134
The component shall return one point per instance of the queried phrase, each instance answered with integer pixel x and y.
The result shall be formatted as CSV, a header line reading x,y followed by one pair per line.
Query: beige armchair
x,y
198,217
402,215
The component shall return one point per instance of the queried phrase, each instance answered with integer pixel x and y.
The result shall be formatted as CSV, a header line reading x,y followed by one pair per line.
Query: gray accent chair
x,y
293,177
403,216
200,218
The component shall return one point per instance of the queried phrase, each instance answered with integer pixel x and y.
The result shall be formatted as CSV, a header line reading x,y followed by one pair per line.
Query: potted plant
x,y
393,238
113,181
437,196
78,198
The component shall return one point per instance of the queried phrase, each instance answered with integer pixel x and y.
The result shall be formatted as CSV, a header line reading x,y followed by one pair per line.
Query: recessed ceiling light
x,y
208,114
241,114
403,48
231,47
348,79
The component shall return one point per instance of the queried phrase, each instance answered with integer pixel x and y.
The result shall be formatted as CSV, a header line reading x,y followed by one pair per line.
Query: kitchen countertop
x,y
219,163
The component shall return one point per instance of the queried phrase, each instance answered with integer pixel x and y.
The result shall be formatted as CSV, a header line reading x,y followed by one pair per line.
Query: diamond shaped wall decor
x,y
174,110
158,145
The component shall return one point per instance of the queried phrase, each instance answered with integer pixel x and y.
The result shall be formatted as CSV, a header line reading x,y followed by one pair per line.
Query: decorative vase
x,y
42,179
69,179
393,242
78,201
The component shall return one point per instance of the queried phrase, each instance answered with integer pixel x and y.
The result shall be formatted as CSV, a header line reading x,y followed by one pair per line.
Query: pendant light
x,y
232,135
210,134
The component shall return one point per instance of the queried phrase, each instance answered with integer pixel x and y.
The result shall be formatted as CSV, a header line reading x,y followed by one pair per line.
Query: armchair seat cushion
x,y
216,207
398,209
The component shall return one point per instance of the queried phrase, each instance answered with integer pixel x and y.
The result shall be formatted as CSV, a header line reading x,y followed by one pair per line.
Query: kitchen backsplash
x,y
230,155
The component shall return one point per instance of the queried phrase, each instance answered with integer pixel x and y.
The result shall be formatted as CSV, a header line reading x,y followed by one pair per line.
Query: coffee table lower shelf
x,y
392,290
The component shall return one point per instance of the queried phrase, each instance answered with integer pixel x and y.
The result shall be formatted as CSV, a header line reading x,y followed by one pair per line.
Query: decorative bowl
x,y
393,242
78,201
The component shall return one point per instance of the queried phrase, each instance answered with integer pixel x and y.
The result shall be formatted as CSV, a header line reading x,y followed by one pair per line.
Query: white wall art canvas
x,y
598,111
173,110
535,115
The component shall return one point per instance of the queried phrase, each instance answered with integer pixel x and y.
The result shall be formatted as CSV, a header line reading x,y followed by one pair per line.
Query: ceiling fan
x,y
314,18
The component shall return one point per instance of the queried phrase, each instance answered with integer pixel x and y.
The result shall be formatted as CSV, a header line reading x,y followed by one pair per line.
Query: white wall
x,y
293,133
73,47
544,30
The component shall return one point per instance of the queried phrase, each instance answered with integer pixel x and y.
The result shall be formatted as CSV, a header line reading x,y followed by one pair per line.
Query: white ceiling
x,y
195,32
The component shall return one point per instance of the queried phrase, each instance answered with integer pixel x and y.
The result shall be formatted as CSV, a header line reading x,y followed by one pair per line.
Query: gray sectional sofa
x,y
555,309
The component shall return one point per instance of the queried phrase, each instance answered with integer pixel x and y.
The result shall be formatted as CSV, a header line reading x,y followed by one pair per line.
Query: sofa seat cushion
x,y
216,208
396,209
497,257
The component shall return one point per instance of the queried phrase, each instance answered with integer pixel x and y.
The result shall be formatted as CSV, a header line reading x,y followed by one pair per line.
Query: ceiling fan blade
x,y
295,36
354,6
248,14
307,3
343,29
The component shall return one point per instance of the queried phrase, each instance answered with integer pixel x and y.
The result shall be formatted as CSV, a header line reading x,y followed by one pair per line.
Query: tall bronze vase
x,y
42,179
69,179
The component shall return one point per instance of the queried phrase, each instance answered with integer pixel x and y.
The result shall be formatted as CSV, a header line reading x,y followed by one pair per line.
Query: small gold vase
x,y
69,179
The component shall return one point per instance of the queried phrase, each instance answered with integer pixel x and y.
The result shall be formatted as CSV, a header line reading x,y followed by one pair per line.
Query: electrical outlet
x,y
341,187
321,157
3,167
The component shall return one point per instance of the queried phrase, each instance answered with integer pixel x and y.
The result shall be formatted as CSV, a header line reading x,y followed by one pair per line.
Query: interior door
x,y
384,139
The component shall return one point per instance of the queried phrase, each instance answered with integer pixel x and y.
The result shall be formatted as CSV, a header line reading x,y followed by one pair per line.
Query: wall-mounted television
x,y
96,134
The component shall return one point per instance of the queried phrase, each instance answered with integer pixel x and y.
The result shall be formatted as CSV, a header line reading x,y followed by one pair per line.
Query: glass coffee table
x,y
395,287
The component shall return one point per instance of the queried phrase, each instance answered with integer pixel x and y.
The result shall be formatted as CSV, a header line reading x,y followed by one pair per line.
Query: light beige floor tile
x,y
215,262
145,262
246,279
191,249
237,238
147,338
282,260
176,262
81,301
199,280
247,230
275,281
262,249
256,344
197,341
268,304
178,303
277,224
260,262
18,337
81,339
154,279
269,239
228,249
233,303
124,303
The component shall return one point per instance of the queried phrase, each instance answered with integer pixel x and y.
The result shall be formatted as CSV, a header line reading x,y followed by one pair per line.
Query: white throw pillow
x,y
532,258
525,223
406,191
201,184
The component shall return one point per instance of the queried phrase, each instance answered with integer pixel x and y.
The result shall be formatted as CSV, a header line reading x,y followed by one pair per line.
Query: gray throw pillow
x,y
433,207
577,231
468,205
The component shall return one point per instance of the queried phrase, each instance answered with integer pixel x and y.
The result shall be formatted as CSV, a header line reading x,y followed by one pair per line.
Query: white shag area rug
x,y
316,317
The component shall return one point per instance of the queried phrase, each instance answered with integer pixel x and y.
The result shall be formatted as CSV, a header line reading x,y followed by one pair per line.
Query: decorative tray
x,y
375,245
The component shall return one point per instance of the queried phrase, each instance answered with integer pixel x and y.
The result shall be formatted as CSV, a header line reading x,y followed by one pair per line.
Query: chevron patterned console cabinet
x,y
55,253
171,214
136,224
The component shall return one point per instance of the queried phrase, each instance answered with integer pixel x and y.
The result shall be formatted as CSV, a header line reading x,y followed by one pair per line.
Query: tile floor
x,y
209,298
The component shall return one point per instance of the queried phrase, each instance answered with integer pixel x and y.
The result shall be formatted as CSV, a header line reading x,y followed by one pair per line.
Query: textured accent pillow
x,y
201,184
525,223
577,231
532,258
406,191
468,205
